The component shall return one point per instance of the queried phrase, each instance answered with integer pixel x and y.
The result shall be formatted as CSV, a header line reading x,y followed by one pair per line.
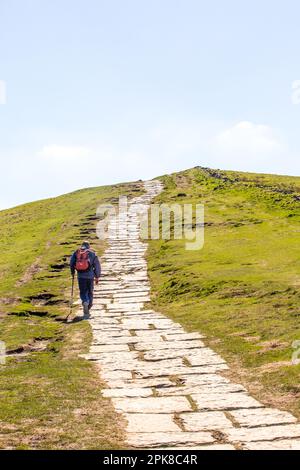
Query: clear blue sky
x,y
105,91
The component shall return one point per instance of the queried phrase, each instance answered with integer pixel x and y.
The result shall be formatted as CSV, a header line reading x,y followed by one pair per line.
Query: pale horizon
x,y
100,93
136,180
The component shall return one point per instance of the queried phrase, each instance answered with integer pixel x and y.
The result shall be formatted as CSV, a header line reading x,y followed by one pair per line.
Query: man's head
x,y
85,245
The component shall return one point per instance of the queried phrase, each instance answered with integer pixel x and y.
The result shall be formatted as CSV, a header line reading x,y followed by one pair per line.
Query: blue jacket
x,y
94,270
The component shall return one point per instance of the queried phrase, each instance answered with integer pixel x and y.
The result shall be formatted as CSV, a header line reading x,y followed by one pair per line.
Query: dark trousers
x,y
86,288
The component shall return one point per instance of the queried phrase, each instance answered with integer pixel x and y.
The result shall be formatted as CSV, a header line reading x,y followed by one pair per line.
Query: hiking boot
x,y
86,312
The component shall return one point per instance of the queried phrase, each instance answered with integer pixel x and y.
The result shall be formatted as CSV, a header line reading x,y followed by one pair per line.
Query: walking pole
x,y
72,298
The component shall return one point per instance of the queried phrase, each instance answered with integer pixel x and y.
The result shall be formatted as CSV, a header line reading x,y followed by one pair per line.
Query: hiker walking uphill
x,y
86,263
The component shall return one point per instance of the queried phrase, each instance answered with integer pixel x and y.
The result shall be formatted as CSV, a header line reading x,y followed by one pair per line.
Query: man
x,y
86,263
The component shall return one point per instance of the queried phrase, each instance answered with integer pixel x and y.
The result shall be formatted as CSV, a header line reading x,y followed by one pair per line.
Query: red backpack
x,y
82,260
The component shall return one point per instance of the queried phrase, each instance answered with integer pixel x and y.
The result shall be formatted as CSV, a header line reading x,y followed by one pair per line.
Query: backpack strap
x,y
82,252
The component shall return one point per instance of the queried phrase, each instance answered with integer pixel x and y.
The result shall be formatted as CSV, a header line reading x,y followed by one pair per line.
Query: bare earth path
x,y
164,381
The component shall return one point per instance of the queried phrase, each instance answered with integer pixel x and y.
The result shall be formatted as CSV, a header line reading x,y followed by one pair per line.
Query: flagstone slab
x,y
178,371
262,417
195,356
109,347
96,322
158,365
267,433
158,355
147,317
158,331
131,295
156,382
143,312
105,314
118,358
127,392
111,334
137,300
202,389
152,405
115,341
140,340
224,401
123,307
201,421
203,379
286,444
157,439
114,374
144,346
138,423
136,324
124,366
108,328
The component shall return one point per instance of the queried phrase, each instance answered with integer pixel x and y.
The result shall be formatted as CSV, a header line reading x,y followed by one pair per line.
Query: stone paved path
x,y
164,381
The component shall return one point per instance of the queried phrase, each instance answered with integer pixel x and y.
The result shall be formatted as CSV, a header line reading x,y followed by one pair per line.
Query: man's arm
x,y
72,263
97,267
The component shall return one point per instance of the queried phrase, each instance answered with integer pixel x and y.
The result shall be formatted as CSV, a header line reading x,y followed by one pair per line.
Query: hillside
x,y
242,288
49,397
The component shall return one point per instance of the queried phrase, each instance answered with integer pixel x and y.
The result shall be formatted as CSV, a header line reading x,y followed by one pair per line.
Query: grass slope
x,y
242,288
49,397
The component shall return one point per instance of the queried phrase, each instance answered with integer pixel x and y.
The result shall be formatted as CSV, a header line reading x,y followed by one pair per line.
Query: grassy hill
x,y
242,288
49,398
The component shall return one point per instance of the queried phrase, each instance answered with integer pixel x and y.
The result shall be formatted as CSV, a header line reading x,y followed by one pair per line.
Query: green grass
x,y
49,397
242,288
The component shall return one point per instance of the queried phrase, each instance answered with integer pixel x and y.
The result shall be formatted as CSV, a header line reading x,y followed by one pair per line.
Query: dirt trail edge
x,y
164,381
